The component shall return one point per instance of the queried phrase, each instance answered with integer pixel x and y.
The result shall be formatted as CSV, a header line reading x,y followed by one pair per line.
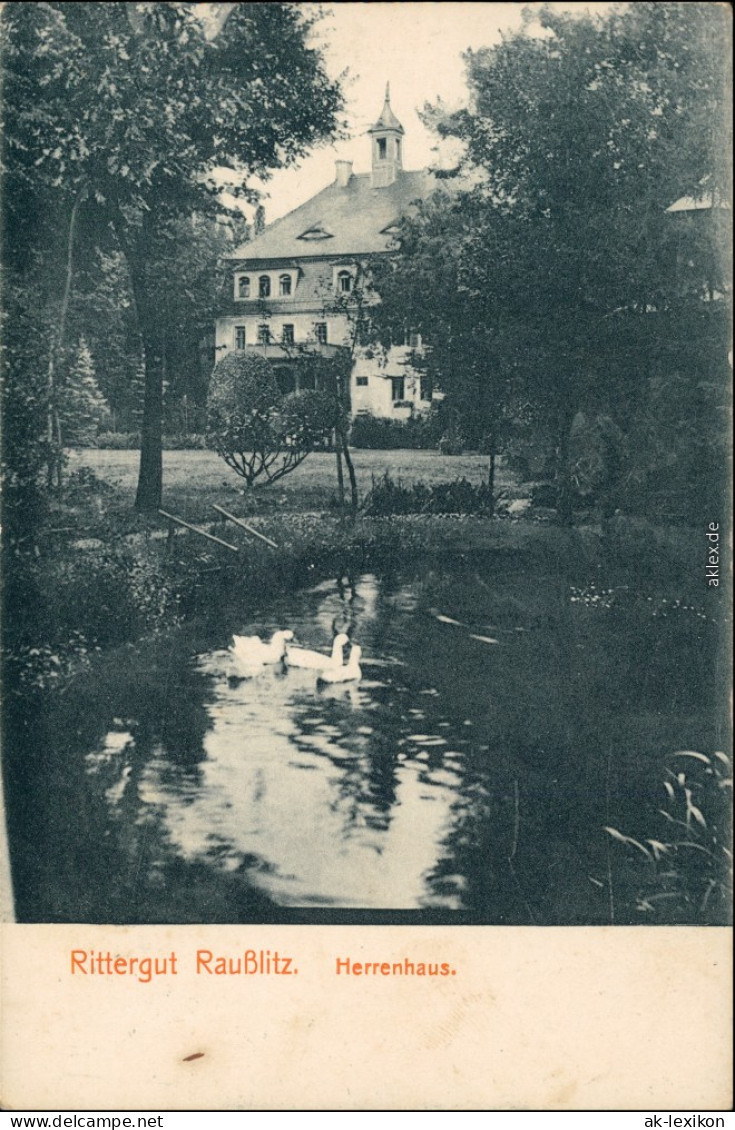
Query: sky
x,y
417,47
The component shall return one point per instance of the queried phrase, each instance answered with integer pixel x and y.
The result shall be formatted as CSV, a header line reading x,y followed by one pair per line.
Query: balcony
x,y
275,351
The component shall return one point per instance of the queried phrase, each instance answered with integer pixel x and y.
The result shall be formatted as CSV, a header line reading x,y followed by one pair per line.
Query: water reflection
x,y
326,796
464,772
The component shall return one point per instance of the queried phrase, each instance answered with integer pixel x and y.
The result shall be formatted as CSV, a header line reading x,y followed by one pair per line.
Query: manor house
x,y
295,286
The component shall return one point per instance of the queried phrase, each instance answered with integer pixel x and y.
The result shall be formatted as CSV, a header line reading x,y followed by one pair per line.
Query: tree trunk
x,y
56,454
491,473
354,497
149,494
564,507
340,473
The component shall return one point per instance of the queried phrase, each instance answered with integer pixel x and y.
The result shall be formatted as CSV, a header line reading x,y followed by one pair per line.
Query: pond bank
x,y
82,596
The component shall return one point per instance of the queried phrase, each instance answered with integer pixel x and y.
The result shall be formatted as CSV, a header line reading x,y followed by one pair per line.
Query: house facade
x,y
298,284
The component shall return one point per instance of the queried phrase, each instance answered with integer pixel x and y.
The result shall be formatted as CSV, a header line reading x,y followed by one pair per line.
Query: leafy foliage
x,y
82,407
256,430
378,433
119,114
551,273
388,497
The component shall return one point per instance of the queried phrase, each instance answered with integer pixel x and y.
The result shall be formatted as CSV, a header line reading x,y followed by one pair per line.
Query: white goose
x,y
252,651
304,657
350,673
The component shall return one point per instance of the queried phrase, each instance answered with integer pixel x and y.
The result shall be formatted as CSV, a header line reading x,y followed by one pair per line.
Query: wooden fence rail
x,y
196,530
243,525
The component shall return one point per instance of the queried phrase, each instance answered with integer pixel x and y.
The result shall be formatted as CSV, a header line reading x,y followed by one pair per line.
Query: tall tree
x,y
124,112
580,134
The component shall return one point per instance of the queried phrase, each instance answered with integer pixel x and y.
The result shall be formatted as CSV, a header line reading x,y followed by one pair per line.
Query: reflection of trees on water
x,y
56,824
365,764
86,847
523,747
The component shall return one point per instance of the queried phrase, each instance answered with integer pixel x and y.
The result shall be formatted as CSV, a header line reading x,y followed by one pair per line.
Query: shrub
x,y
254,428
388,497
192,442
83,483
118,441
376,433
452,442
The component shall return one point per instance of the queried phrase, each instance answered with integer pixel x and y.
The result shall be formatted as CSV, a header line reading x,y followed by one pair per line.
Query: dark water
x,y
502,721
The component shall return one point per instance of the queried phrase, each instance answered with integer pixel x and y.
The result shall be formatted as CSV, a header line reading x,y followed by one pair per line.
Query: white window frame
x,y
342,269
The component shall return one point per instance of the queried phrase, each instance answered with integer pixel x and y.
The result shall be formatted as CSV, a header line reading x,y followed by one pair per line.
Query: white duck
x,y
304,657
252,651
350,673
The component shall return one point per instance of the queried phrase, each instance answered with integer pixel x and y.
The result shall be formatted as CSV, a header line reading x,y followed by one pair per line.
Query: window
x,y
361,382
382,148
398,149
284,285
264,335
240,340
264,287
426,389
398,388
287,335
243,287
344,282
320,332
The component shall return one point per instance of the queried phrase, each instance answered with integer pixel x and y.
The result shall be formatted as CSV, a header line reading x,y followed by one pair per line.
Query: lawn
x,y
192,480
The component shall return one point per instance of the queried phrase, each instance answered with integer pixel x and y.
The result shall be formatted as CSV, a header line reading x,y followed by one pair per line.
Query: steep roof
x,y
387,119
350,220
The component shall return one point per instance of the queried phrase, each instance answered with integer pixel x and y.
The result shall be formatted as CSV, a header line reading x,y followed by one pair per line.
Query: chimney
x,y
342,173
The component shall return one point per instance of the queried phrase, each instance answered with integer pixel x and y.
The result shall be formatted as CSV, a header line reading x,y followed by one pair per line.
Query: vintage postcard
x,y
366,557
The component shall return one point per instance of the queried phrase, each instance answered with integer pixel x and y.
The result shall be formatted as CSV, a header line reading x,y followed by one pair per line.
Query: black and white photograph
x,y
366,452
365,443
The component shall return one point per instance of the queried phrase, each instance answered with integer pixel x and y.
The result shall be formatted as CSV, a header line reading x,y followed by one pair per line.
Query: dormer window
x,y
264,287
382,148
284,286
243,287
344,282
315,233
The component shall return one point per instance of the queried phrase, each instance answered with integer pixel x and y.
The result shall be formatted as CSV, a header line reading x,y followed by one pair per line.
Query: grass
x,y
192,480
299,511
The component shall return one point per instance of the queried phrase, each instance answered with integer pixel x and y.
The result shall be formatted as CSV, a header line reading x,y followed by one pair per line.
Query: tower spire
x,y
386,143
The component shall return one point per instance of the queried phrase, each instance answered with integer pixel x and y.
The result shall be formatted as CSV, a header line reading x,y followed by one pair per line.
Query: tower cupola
x,y
387,143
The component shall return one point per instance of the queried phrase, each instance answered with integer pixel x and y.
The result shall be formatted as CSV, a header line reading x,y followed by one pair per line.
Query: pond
x,y
502,721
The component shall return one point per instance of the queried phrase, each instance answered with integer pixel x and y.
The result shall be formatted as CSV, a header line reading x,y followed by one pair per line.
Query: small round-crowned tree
x,y
254,428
